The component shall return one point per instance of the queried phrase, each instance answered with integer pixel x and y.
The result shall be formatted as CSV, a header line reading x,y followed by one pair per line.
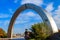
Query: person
x,y
27,37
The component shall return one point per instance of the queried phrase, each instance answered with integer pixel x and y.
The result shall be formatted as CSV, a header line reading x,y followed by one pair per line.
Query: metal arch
x,y
46,17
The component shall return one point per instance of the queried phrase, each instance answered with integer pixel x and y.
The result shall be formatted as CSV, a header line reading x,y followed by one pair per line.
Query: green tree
x,y
3,34
40,31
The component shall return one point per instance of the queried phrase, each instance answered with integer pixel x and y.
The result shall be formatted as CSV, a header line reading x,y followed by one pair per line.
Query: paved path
x,y
13,39
19,39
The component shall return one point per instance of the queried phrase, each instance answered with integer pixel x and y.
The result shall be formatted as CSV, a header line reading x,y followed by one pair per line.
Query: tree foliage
x,y
40,31
2,33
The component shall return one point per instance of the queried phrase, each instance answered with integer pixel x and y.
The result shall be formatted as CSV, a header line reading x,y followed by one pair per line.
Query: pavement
x,y
12,39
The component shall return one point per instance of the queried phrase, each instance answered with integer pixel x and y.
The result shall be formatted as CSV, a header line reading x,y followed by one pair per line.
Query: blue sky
x,y
28,17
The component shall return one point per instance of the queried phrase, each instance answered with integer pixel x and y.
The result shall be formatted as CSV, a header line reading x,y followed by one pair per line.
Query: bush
x,y
3,33
40,31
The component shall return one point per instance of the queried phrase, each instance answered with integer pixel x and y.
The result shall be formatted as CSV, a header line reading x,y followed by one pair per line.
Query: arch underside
x,y
46,17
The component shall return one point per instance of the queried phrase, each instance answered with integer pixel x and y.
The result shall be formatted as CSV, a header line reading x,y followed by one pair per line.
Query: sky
x,y
27,17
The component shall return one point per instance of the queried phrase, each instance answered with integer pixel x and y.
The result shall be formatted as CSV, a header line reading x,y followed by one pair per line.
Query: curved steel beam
x,y
46,17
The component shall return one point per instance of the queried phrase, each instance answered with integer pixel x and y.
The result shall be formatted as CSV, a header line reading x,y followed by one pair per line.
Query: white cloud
x,y
15,1
59,6
57,11
49,7
4,15
6,22
11,10
27,17
30,14
0,22
20,21
57,16
37,2
23,18
57,20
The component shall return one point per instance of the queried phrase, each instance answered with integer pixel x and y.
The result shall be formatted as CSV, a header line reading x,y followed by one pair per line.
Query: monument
x,y
46,17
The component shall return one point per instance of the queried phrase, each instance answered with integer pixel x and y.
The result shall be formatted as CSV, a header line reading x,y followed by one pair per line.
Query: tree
x,y
40,31
2,33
